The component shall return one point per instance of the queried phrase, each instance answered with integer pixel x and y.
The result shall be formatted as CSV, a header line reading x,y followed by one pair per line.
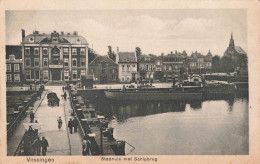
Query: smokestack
x,y
23,34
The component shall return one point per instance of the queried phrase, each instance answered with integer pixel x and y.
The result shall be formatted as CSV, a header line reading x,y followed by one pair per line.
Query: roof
x,y
62,38
196,55
127,57
239,50
99,59
148,59
13,50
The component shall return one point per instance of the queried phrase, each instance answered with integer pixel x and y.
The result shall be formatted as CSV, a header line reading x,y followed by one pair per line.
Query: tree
x,y
215,63
91,55
138,55
111,54
227,65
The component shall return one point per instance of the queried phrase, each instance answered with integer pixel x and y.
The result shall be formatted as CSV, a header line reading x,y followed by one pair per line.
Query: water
x,y
208,127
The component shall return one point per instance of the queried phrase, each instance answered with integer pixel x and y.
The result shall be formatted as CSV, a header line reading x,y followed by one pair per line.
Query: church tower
x,y
231,43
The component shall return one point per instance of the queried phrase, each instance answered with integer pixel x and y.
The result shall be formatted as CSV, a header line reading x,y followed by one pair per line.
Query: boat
x,y
152,94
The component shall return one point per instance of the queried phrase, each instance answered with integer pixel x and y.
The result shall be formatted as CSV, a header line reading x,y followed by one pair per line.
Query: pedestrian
x,y
44,146
85,146
70,125
65,95
59,123
75,123
63,88
32,117
37,144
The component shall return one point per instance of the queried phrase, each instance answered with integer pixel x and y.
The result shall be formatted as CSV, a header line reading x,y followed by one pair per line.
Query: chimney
x,y
23,34
62,32
75,33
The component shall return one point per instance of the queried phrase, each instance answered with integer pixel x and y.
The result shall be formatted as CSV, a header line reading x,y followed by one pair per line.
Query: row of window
x,y
28,74
147,67
16,68
16,78
45,62
127,67
200,64
45,51
171,67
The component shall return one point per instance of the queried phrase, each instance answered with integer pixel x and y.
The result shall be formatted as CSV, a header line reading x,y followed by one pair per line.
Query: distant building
x,y
14,74
127,66
198,63
147,67
174,64
103,69
54,56
238,56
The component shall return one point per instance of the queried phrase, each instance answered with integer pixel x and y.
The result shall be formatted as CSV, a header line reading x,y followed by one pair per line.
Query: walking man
x,y
44,145
59,123
70,125
86,147
37,144
75,123
65,95
32,117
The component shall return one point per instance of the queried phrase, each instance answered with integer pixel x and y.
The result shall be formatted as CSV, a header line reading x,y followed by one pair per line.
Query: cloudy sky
x,y
154,31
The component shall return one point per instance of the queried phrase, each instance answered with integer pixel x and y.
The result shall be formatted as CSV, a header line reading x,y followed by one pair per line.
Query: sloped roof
x,y
127,57
46,38
239,50
13,50
152,59
99,59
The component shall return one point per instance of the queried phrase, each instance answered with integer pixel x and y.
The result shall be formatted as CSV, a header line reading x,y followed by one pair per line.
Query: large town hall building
x,y
54,56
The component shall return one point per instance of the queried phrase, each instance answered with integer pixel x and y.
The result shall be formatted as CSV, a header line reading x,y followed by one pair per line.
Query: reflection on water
x,y
175,127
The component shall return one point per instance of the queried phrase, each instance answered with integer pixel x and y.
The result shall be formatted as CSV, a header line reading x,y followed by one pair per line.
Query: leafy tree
x,y
138,55
91,55
227,65
111,54
216,63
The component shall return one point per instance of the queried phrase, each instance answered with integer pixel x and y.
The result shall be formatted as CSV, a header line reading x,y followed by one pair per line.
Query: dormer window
x,y
128,60
78,41
31,39
11,57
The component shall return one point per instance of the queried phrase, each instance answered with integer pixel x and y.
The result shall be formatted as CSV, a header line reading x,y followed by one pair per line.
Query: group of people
x,y
41,146
86,146
73,124
65,94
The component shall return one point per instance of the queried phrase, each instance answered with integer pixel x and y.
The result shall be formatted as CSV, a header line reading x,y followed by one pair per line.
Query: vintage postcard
x,y
130,82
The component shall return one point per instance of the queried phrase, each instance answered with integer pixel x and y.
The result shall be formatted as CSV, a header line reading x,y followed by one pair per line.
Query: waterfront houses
x,y
173,65
54,56
104,70
14,74
127,66
147,67
198,63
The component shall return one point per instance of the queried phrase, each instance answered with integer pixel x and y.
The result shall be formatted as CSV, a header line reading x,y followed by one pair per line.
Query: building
x,y
238,56
14,74
174,65
127,66
198,63
104,70
54,56
147,67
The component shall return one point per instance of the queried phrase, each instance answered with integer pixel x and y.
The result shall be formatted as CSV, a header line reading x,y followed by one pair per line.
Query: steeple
x,y
231,43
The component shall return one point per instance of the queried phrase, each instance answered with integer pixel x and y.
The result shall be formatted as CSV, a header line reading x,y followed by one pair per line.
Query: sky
x,y
154,31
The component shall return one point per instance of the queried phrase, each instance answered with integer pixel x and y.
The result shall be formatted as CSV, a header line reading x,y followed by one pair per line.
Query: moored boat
x,y
135,95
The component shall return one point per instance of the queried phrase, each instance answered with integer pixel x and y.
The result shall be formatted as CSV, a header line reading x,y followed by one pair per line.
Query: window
x,y
133,66
92,71
65,51
127,59
74,62
28,74
45,62
8,67
74,51
45,74
74,74
82,51
36,62
66,74
82,73
128,67
8,78
16,68
31,39
27,62
36,51
45,51
123,67
66,62
82,62
16,77
27,51
37,74
123,79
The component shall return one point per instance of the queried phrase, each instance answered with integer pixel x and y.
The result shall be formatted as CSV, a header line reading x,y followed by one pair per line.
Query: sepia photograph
x,y
127,82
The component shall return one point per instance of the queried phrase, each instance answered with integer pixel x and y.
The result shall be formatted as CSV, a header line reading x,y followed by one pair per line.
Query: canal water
x,y
208,127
